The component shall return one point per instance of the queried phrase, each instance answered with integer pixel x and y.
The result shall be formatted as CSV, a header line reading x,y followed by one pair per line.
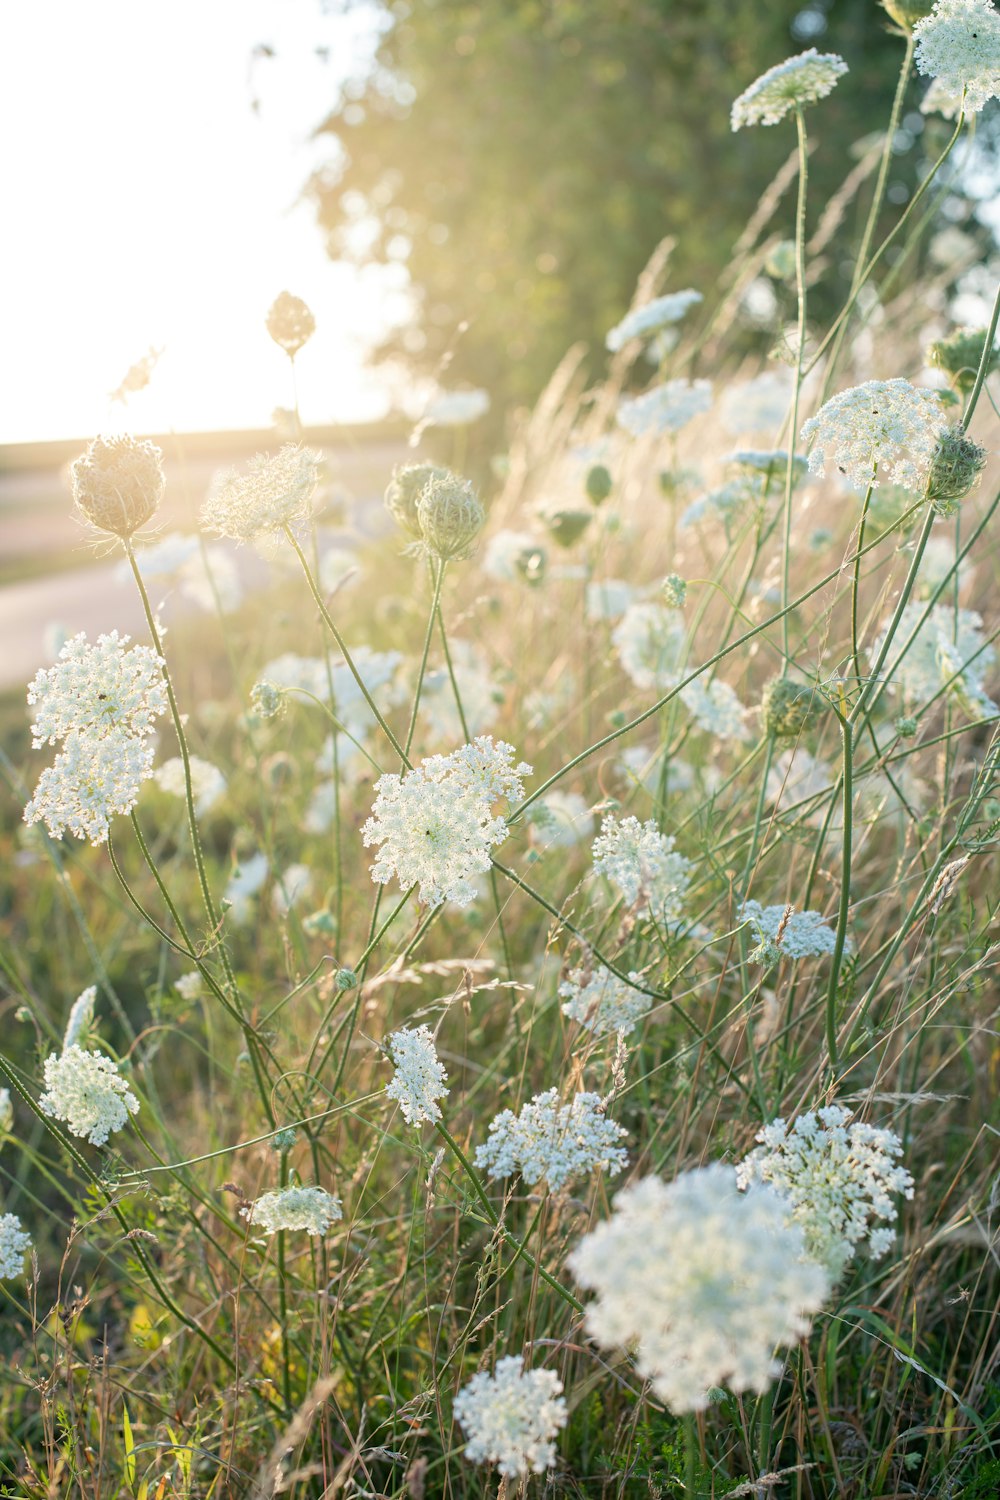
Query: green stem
x,y
438,575
984,363
286,1364
845,896
856,583
800,279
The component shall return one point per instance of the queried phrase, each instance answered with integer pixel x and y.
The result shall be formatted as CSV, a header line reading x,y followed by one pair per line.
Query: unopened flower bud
x,y
118,483
403,492
567,526
959,356
787,708
906,727
598,484
955,468
282,1141
674,590
781,262
451,516
266,699
346,979
290,323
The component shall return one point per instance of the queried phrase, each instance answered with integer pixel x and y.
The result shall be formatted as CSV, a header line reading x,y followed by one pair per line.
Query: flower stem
x,y
800,281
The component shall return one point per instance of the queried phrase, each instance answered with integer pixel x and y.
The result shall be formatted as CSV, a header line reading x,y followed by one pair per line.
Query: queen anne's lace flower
x,y
89,782
6,1114
87,1092
310,1208
435,824
796,81
207,781
884,429
649,640
946,643
715,708
703,1281
664,408
510,1418
81,1017
643,866
958,44
643,321
602,1002
419,1079
97,690
838,1178
14,1246
271,494
804,934
557,1142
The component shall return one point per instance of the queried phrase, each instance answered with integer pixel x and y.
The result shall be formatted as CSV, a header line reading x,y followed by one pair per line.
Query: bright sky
x,y
147,204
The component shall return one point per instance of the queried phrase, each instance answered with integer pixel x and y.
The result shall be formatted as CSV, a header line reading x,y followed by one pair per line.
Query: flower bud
x,y
567,526
674,590
266,699
290,323
118,483
282,1141
598,484
403,491
959,356
346,979
787,708
906,13
956,465
906,727
451,516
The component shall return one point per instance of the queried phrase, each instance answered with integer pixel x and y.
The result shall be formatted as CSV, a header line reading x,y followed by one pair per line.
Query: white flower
x,y
602,1002
457,408
290,888
419,1080
805,934
310,1208
338,570
664,408
272,493
557,1142
162,557
644,868
436,825
649,640
211,580
715,708
883,429
959,45
190,985
510,1418
561,820
6,1113
244,883
97,690
14,1246
505,549
944,644
90,781
796,81
726,505
207,781
757,405
796,777
704,1281
81,1017
940,100
643,321
838,1179
608,598
87,1092
481,698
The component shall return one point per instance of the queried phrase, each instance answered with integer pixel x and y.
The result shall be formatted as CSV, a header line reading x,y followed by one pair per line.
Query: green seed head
x,y
403,492
787,708
450,516
955,468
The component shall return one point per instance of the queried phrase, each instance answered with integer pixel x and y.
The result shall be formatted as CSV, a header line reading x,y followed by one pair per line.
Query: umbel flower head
x,y
15,1243
450,516
600,1001
948,649
644,321
702,1281
435,824
91,781
290,323
643,866
783,932
97,690
511,1418
272,493
955,469
787,708
959,45
554,1141
419,1080
838,1179
664,408
883,429
86,1091
787,86
310,1208
404,490
81,1018
118,483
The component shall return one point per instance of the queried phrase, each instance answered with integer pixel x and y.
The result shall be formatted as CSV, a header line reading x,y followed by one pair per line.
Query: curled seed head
x,y
118,483
451,516
955,468
403,492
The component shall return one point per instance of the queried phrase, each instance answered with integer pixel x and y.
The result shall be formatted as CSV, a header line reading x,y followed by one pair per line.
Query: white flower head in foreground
x,y
557,1142
81,1018
419,1080
958,44
796,81
90,780
643,866
715,708
838,1178
649,640
272,493
97,690
945,643
644,321
705,1282
804,934
435,825
883,429
86,1091
14,1246
602,1002
511,1418
310,1208
207,781
664,408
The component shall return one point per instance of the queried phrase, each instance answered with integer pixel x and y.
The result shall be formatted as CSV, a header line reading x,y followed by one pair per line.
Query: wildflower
x,y
959,45
207,782
703,1280
885,426
266,699
674,590
6,1114
757,405
644,321
557,1142
715,708
664,408
948,647
649,641
310,1208
450,516
87,1092
244,883
290,323
798,80
728,504
643,866
960,354
271,494
403,491
118,484
939,100
161,558
608,598
457,408
89,782
511,1418
190,985
788,708
769,462
291,887
509,555
419,1080
602,1002
435,824
97,689
955,469
480,696
14,1246
796,934
562,819
81,1018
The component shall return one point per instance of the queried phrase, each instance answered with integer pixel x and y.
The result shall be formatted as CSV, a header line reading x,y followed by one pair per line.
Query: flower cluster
x,y
787,86
790,933
643,321
705,1282
602,1002
664,408
435,824
419,1080
86,1091
715,707
948,647
310,1208
883,429
838,1177
511,1418
557,1142
649,639
14,1246
958,44
81,1018
207,781
643,866
271,494
101,701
